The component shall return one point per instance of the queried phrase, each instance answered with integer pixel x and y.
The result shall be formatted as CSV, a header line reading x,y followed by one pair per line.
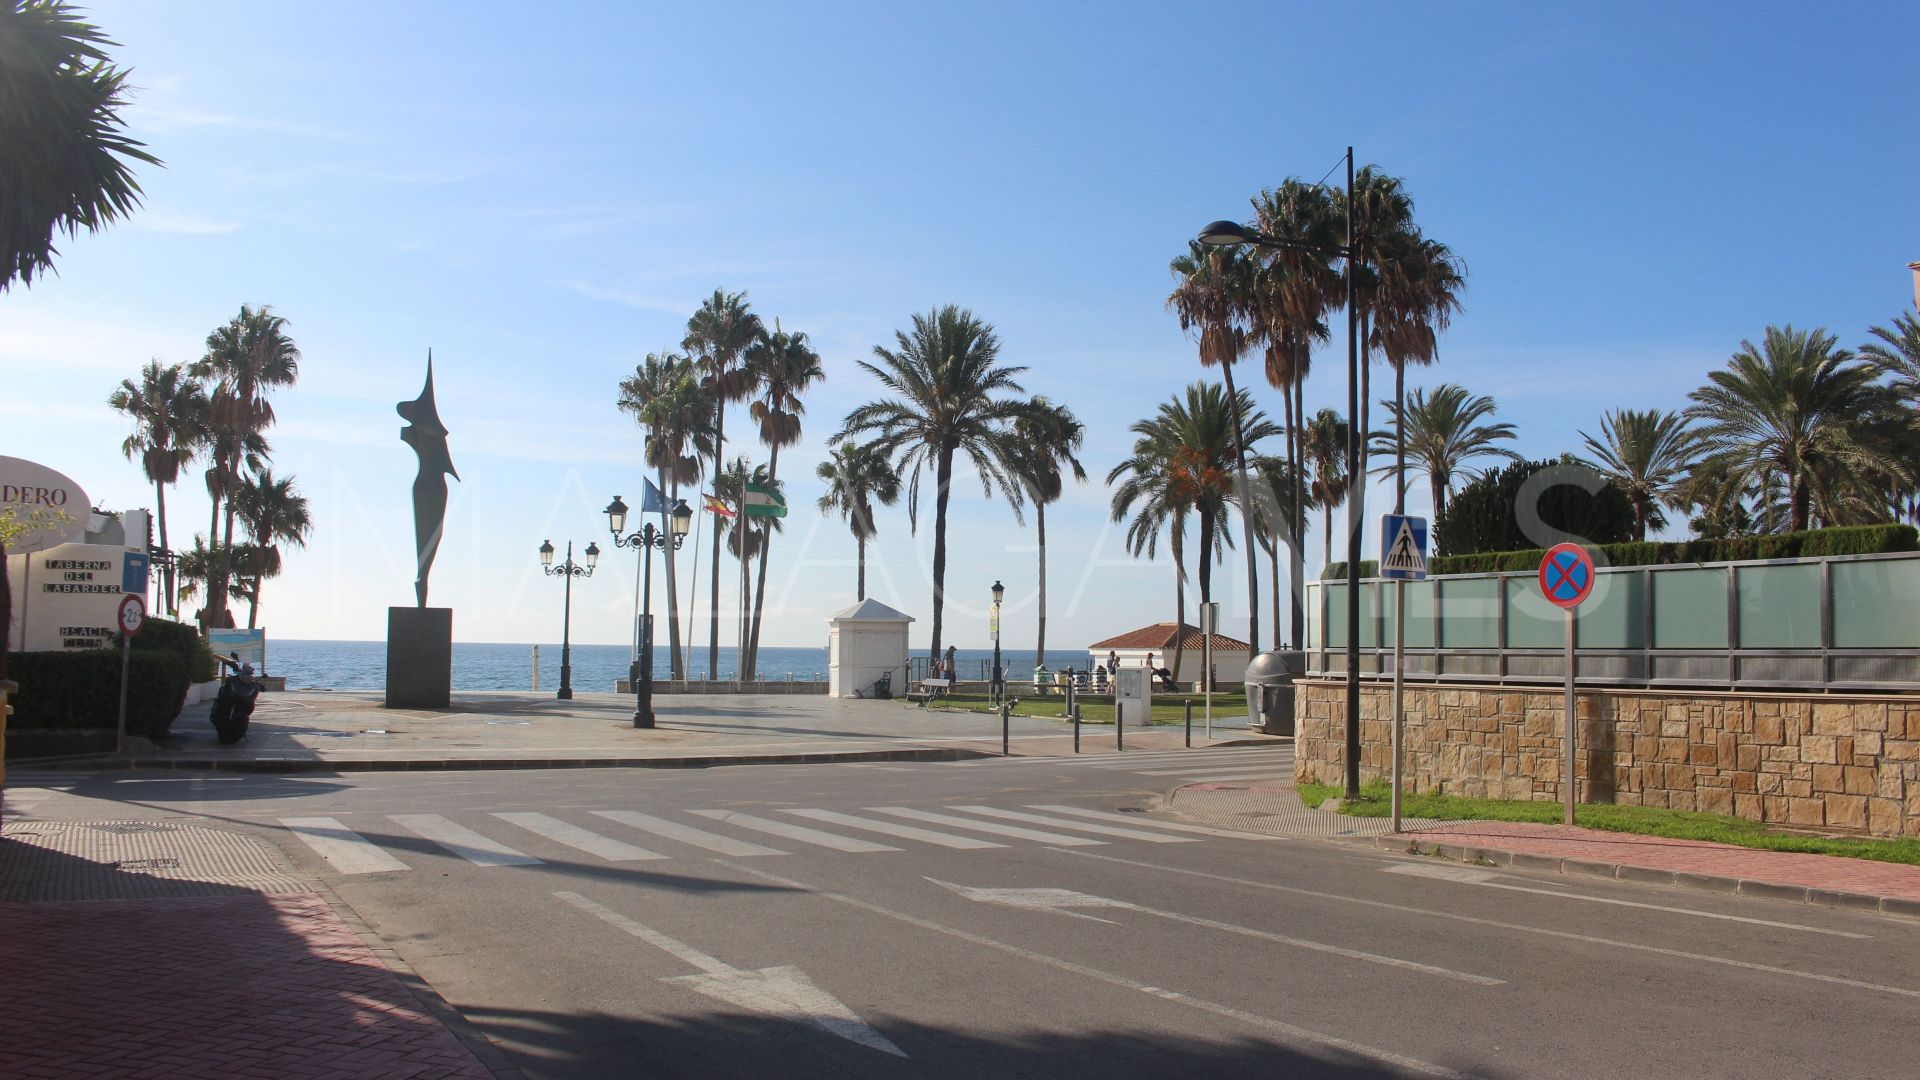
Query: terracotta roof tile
x,y
1160,636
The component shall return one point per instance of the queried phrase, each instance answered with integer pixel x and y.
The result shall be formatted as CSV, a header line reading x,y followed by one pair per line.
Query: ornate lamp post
x,y
568,570
999,675
1230,233
646,541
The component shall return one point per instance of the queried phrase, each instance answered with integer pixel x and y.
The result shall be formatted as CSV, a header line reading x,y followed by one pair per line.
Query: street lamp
x,y
999,675
646,541
568,570
1228,233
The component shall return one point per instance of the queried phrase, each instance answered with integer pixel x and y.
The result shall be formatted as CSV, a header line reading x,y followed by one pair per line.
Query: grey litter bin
x,y
1270,691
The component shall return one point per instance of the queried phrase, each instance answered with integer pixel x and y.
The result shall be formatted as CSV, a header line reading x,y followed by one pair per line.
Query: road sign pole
x,y
1572,735
126,651
1399,691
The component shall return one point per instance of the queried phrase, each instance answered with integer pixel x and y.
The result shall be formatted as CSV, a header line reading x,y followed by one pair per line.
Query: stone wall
x,y
1845,763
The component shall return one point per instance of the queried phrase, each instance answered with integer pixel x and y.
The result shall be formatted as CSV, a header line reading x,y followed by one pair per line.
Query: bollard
x,y
1189,723
536,667
1004,710
1076,728
1119,726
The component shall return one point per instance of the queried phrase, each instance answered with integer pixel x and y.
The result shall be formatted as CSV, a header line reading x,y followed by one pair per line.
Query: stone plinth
x,y
419,657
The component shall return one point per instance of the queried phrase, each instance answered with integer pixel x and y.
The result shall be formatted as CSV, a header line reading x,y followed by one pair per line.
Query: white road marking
x,y
1079,826
1520,927
1154,823
346,850
686,834
1263,1023
462,841
1015,831
793,832
574,836
1220,774
888,828
778,991
1486,878
1054,899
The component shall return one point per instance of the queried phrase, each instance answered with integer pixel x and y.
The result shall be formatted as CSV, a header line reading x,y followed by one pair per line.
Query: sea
x,y
362,665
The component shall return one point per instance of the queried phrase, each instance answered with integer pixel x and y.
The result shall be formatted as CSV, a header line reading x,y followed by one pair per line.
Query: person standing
x,y
953,667
1113,661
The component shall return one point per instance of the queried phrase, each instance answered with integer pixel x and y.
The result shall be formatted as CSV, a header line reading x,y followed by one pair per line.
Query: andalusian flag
x,y
763,502
715,506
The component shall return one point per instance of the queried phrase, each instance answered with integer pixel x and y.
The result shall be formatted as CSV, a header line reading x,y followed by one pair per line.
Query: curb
x,y
702,761
1646,875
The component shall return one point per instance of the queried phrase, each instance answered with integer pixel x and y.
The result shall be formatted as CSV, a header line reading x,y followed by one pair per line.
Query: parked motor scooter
x,y
233,705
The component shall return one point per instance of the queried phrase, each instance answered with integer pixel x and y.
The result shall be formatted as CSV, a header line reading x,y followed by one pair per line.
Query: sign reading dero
x,y
53,506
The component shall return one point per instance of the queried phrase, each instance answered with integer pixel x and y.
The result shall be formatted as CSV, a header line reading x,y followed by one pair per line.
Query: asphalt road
x,y
881,920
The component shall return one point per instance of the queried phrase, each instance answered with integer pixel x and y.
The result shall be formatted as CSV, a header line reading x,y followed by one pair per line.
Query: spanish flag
x,y
715,506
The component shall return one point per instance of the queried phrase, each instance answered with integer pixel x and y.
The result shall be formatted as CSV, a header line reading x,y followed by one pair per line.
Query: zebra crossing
x,y
530,839
26,789
1173,766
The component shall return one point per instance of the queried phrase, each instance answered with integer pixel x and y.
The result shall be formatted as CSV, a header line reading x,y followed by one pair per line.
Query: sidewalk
x,y
1825,880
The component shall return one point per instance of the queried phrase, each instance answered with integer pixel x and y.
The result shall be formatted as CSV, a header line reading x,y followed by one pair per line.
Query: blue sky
x,y
543,197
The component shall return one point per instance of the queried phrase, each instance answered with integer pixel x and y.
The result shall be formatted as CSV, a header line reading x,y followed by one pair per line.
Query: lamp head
x,y
593,554
682,518
617,515
1225,234
999,591
546,553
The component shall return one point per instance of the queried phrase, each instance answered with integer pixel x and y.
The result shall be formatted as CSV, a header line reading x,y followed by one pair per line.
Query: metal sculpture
x,y
428,437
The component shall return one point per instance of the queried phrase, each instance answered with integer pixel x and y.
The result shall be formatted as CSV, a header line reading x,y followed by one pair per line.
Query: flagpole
x,y
693,598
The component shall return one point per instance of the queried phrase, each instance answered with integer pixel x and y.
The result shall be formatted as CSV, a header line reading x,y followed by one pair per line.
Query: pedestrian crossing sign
x,y
1403,547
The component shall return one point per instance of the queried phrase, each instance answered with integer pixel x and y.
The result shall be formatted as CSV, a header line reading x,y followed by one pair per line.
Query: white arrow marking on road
x,y
1059,900
784,991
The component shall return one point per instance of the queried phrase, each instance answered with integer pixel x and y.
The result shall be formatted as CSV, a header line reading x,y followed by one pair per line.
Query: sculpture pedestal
x,y
419,657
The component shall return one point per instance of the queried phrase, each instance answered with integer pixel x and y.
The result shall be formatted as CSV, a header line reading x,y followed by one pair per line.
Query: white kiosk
x,y
864,643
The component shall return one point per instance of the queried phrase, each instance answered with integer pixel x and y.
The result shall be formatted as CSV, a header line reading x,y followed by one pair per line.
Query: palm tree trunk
x,y
166,576
259,575
943,475
213,549
1297,558
1246,516
1206,558
1040,642
760,588
713,589
860,584
1438,486
1178,544
1282,532
1273,559
1326,534
674,659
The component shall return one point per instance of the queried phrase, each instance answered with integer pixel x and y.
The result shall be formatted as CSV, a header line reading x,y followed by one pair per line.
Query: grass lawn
x,y
1375,801
1167,708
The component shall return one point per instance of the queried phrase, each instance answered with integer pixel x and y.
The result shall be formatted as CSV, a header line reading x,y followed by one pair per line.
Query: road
x,y
1022,917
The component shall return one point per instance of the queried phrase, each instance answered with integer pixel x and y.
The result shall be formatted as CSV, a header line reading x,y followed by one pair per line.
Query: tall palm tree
x,y
747,538
1443,432
1324,446
1800,412
274,514
1419,289
947,384
664,395
857,475
718,336
170,413
1648,455
1214,294
1277,516
1897,352
784,366
246,357
1049,435
66,167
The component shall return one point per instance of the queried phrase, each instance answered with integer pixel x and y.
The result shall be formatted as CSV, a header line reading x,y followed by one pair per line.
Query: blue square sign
x,y
1403,547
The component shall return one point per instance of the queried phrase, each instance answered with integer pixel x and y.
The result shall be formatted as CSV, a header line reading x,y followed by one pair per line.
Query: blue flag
x,y
654,502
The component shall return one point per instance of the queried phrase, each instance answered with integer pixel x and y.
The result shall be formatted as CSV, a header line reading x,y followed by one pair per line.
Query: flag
x,y
715,506
654,502
763,502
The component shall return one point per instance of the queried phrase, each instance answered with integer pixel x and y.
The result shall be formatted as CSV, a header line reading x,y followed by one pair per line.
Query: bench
x,y
928,690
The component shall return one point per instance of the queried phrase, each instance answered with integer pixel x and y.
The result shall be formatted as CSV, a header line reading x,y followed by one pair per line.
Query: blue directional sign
x,y
1403,547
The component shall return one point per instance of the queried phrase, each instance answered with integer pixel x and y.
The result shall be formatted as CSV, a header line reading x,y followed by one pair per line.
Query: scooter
x,y
233,705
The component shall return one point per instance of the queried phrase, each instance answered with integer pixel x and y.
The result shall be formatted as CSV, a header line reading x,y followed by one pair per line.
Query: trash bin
x,y
1269,683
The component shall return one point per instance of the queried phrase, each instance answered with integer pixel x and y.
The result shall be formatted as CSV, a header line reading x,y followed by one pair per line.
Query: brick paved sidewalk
x,y
245,985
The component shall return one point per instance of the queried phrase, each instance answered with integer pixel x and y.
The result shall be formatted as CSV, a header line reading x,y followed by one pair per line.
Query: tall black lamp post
x,y
1229,233
568,570
999,674
647,540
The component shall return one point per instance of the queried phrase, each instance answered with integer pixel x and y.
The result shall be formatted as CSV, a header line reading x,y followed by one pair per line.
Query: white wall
x,y
860,652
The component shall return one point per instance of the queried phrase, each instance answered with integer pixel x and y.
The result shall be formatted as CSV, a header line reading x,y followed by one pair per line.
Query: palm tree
x,y
664,395
1324,446
747,537
1049,435
1648,455
946,381
857,475
1897,352
248,356
1800,414
1443,432
718,336
1215,292
1277,516
784,365
66,166
274,514
1420,283
169,410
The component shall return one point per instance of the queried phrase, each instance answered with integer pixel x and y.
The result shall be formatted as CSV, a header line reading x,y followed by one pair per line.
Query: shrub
x,y
81,689
181,640
1579,502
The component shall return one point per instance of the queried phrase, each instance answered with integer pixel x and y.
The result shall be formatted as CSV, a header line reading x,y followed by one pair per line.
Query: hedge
x,y
81,689
1812,543
181,640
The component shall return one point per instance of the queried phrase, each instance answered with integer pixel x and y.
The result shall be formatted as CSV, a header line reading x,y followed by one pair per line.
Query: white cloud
x,y
185,224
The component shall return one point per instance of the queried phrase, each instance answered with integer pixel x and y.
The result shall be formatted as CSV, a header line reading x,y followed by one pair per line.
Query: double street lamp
x,y
568,570
647,540
1230,234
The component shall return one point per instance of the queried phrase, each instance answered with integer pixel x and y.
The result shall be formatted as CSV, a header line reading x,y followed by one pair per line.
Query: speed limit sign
x,y
133,614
